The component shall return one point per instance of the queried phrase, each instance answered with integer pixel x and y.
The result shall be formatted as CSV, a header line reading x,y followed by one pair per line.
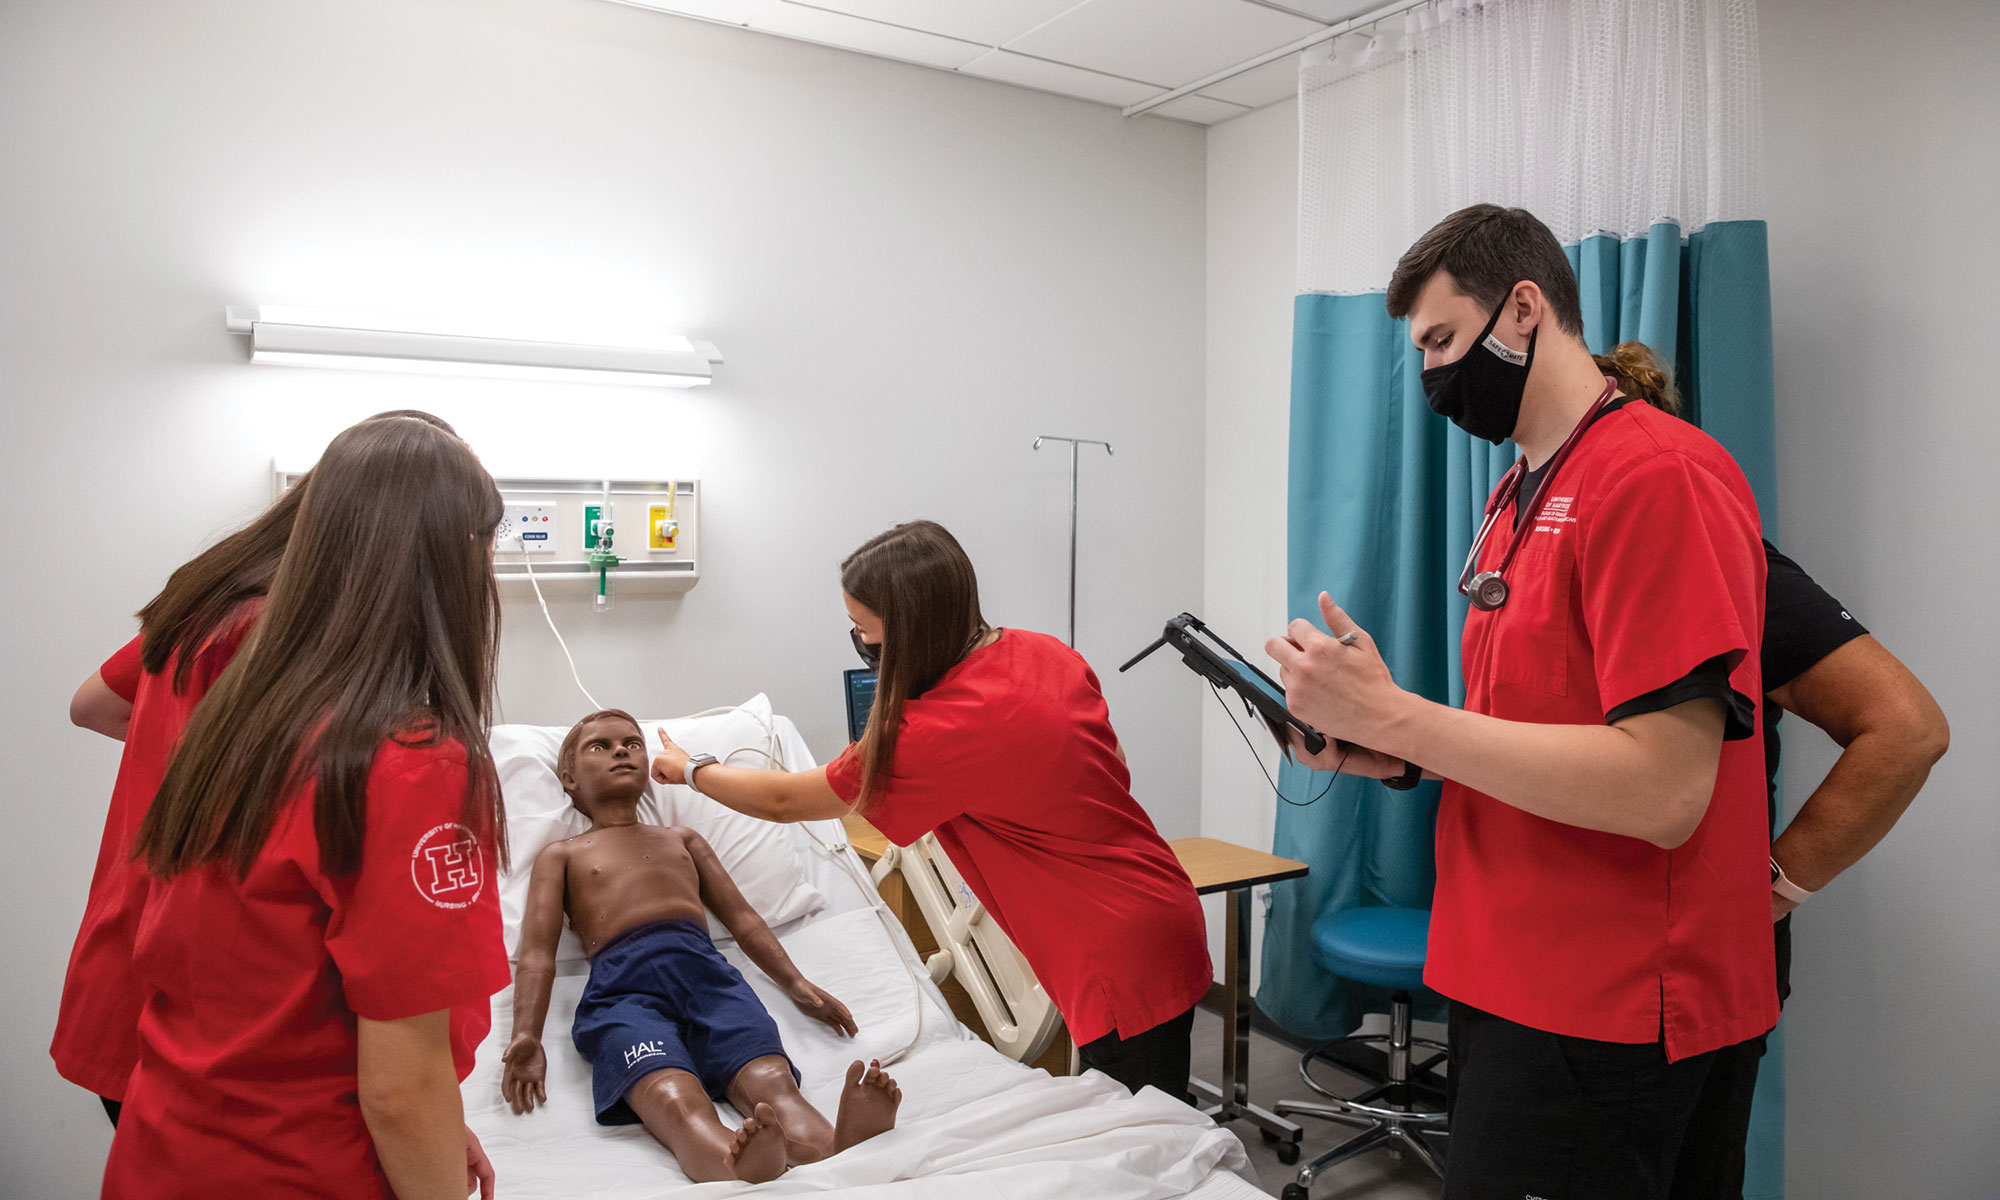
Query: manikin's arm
x,y
99,709
1891,732
720,893
525,1066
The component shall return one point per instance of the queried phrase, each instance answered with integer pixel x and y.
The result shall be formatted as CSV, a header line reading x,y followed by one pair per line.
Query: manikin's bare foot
x,y
757,1154
867,1105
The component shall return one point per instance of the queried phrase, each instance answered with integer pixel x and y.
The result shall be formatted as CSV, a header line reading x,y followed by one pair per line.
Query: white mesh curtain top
x,y
1599,116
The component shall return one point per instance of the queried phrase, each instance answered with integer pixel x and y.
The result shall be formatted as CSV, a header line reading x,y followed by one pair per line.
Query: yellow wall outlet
x,y
661,528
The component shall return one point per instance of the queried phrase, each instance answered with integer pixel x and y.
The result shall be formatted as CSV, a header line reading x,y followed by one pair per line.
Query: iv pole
x,y
1073,444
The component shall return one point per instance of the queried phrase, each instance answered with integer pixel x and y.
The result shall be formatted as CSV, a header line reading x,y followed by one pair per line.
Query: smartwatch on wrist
x,y
1783,886
701,760
1412,776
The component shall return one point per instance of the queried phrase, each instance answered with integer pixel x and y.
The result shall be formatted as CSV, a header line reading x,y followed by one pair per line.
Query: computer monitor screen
x,y
860,698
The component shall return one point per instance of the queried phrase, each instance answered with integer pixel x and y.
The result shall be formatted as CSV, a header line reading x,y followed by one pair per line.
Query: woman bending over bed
x,y
667,1024
1000,742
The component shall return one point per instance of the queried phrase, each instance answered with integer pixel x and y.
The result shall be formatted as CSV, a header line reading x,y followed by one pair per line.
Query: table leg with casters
x,y
1232,1098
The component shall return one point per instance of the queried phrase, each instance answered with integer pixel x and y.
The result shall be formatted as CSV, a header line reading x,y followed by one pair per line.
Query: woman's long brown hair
x,y
202,592
917,578
382,619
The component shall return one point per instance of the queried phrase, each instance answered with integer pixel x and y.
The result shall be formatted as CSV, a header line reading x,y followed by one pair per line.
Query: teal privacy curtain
x,y
1384,500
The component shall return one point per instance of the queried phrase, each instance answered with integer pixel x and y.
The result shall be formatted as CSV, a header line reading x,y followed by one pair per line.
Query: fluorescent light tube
x,y
290,343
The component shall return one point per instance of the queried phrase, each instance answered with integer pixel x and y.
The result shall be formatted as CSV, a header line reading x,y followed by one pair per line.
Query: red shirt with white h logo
x,y
246,1079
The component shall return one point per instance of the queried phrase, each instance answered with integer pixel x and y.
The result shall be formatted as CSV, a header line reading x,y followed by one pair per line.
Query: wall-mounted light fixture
x,y
303,338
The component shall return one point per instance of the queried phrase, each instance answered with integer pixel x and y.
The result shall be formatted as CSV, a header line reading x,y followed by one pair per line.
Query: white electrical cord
x,y
771,755
526,556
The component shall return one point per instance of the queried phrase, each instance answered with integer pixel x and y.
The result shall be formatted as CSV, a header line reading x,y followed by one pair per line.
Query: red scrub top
x,y
122,670
1011,761
1643,562
246,1078
97,1040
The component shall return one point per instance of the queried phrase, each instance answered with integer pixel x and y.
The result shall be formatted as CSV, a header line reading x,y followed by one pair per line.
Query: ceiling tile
x,y
868,37
1328,11
989,22
1267,84
1168,42
732,12
1055,77
1199,109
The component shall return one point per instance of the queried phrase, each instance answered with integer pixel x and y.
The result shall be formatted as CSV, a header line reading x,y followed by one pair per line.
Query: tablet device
x,y
1216,661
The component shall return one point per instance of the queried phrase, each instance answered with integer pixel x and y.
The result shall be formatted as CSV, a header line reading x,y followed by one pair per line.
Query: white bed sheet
x,y
973,1124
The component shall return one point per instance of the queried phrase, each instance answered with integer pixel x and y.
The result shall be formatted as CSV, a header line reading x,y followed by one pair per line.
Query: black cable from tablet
x,y
1260,758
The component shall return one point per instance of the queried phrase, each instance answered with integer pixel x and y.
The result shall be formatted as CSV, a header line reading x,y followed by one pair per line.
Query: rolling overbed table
x,y
1217,866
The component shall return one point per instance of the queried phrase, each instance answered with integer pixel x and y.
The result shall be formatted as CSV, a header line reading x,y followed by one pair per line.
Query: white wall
x,y
912,275
1883,265
1882,270
1252,267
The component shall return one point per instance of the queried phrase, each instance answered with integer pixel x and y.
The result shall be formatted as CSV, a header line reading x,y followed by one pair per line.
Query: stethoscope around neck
x,y
1488,589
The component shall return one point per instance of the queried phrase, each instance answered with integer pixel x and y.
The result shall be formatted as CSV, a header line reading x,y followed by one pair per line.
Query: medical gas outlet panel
x,y
644,533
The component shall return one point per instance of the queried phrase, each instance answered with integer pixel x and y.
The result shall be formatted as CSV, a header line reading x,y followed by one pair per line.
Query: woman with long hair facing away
x,y
322,936
1000,743
144,696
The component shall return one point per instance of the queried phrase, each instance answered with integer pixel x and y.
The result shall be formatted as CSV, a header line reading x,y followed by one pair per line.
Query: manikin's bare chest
x,y
627,876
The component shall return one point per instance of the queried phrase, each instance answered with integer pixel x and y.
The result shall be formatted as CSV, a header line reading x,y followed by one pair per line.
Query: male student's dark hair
x,y
1487,249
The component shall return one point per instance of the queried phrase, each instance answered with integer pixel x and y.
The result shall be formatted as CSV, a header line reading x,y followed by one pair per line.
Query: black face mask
x,y
871,653
1481,392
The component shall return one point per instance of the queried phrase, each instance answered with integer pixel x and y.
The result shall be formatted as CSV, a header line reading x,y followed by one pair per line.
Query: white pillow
x,y
762,857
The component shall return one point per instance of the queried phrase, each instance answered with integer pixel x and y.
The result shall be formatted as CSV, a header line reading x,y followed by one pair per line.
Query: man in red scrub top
x,y
1600,922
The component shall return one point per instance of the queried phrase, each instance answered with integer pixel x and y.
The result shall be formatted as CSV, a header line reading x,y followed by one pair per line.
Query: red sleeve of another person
x,y
417,928
1671,569
121,671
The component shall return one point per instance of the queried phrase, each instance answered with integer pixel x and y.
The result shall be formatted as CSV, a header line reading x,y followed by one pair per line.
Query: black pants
x,y
1158,1056
111,1108
1712,1156
1543,1116
1712,1159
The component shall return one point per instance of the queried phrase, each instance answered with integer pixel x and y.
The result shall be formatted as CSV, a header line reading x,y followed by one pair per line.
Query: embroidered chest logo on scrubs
x,y
1555,514
446,867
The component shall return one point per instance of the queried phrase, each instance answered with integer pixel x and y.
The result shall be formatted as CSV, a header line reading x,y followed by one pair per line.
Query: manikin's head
x,y
1480,265
602,764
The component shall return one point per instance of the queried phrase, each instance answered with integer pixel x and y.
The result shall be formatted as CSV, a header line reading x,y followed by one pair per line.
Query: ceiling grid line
x,y
1125,54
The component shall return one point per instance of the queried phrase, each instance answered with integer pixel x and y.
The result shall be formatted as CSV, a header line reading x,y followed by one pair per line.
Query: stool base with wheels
x,y
1402,1108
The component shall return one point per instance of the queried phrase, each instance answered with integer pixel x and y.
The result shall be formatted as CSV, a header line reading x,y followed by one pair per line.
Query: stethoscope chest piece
x,y
1487,590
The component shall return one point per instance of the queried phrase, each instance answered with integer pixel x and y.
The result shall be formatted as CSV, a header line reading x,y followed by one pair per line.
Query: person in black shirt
x,y
1821,664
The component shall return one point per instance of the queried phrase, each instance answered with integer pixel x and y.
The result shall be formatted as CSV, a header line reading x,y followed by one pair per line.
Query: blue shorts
x,y
662,997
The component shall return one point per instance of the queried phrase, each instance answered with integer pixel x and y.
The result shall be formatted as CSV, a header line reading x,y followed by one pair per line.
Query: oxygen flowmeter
x,y
598,532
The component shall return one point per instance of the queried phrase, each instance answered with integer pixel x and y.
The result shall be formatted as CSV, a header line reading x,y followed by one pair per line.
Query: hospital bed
x,y
974,1122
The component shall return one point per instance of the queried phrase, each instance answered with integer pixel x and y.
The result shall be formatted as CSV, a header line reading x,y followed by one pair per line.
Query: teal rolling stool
x,y
1403,1105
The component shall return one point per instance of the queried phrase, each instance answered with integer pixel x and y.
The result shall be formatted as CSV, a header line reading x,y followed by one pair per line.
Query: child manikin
x,y
667,1024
